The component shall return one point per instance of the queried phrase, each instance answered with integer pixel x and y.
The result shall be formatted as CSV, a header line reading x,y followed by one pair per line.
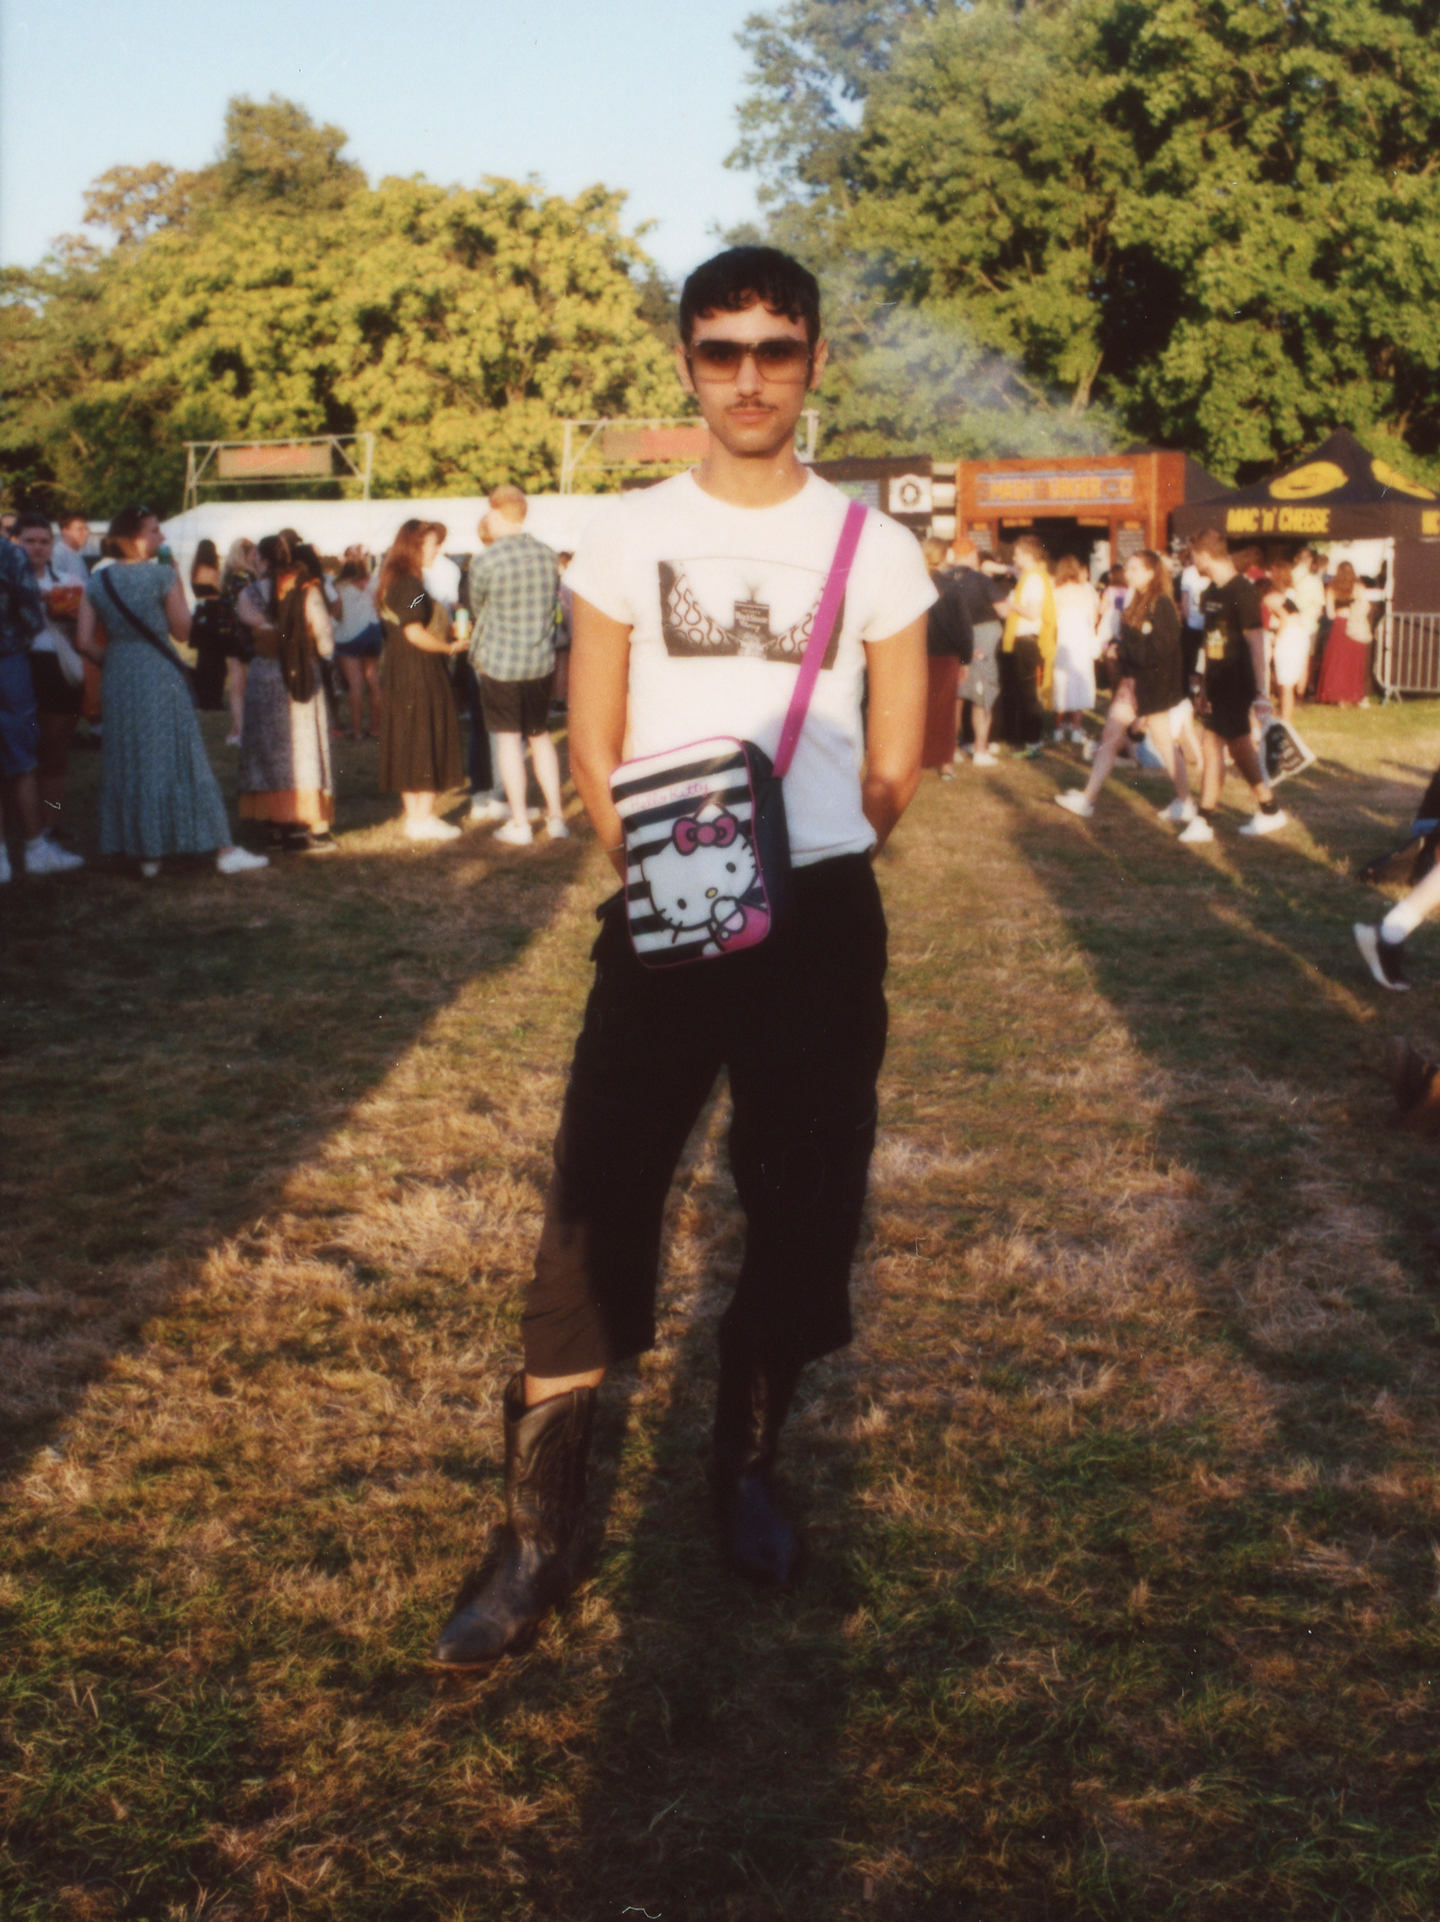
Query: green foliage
x,y
275,293
1220,218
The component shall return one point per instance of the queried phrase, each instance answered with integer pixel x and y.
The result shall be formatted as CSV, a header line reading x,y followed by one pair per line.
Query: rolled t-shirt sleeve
x,y
598,571
895,579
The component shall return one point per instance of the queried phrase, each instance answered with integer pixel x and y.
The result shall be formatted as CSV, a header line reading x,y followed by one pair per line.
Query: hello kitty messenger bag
x,y
707,850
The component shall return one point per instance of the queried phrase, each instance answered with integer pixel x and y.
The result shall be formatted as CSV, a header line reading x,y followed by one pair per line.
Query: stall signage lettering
x,y
1277,520
1057,489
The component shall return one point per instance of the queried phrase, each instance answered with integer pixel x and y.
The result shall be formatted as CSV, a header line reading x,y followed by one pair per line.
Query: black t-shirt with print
x,y
1229,612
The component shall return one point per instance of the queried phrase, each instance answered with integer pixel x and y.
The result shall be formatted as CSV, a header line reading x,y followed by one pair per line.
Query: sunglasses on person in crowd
x,y
783,359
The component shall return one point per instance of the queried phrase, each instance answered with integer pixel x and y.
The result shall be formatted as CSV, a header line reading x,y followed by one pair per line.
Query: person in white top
x,y
1307,590
1077,609
693,601
68,559
57,671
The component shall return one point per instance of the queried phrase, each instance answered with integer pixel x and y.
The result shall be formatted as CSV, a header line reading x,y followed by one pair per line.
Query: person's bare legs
x,y
510,759
1117,724
239,674
542,1387
372,681
22,800
418,807
1212,762
56,733
546,763
980,727
1170,754
354,689
1246,757
1287,703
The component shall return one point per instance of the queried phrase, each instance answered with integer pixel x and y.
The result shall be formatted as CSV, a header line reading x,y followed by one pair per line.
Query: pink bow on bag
x,y
691,834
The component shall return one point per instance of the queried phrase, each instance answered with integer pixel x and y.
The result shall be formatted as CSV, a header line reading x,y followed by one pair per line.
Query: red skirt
x,y
1345,669
941,713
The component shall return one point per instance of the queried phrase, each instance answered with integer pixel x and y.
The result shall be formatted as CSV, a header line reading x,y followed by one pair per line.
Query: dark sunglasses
x,y
784,359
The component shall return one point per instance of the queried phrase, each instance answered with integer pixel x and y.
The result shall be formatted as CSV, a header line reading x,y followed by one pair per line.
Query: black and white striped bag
x,y
707,850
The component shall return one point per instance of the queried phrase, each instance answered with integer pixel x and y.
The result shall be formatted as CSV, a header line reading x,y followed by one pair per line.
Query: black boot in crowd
x,y
545,1453
750,1411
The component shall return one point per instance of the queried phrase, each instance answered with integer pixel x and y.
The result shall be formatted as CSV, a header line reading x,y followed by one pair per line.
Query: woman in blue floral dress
x,y
158,795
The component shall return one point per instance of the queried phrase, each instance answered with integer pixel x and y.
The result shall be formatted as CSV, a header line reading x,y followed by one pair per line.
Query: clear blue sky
x,y
638,94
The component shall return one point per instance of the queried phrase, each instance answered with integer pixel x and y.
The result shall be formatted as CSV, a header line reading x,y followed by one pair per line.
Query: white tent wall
x,y
332,526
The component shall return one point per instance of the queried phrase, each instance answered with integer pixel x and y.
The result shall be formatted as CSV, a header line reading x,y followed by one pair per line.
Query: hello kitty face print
x,y
699,880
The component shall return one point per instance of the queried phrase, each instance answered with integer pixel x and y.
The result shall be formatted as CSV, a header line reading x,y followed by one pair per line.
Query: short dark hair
x,y
31,519
736,279
127,523
69,515
1211,542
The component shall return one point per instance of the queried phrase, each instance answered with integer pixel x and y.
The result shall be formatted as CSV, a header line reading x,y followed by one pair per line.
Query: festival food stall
x,y
1355,506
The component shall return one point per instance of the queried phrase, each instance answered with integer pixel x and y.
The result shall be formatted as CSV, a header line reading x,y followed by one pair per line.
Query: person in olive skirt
x,y
420,756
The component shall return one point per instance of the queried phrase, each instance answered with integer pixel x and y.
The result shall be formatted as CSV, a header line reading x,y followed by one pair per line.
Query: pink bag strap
x,y
831,596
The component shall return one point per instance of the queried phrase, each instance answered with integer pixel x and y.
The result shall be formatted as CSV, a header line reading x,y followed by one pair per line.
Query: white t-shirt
x,y
44,641
69,566
720,600
357,609
1192,587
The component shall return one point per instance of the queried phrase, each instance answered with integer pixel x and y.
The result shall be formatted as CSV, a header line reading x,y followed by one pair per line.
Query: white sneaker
x,y
235,861
1198,832
487,812
1180,812
555,827
48,857
5,875
431,828
1087,753
984,758
1073,801
1266,823
516,834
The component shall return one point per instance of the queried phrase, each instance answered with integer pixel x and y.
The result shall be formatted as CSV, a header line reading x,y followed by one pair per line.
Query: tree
x,y
1220,218
275,294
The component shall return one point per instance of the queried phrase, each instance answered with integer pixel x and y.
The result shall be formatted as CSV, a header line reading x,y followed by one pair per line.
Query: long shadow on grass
x,y
172,1052
1234,972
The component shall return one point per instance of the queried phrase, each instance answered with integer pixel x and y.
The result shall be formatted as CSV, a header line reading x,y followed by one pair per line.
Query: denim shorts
x,y
366,645
19,718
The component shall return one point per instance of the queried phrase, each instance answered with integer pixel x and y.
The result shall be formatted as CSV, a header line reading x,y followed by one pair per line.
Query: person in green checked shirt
x,y
512,647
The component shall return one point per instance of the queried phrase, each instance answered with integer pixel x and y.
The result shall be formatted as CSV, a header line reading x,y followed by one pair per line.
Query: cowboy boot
x,y
750,1411
545,1451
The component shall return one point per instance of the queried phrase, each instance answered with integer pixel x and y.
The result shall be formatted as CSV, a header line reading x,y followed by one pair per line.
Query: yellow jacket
x,y
1048,629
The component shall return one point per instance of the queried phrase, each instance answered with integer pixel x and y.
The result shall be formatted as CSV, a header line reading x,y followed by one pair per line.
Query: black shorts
x,y
53,693
1228,699
799,1023
517,707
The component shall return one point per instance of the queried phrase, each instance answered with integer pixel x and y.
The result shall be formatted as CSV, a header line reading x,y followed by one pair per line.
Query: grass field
x,y
1124,1505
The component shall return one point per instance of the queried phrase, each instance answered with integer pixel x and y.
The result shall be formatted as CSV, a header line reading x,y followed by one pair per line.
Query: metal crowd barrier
x,y
1407,659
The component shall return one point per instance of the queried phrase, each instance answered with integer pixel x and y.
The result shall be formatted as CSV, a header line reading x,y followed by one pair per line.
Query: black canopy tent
x,y
1342,492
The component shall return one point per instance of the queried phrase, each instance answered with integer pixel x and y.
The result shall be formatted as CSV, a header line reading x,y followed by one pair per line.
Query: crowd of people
x,y
1199,651
281,637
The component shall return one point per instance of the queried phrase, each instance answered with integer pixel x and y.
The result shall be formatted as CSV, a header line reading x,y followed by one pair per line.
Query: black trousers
x,y
1023,716
799,1023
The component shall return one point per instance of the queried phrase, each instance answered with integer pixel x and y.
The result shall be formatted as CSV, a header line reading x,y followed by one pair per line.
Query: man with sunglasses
x,y
693,603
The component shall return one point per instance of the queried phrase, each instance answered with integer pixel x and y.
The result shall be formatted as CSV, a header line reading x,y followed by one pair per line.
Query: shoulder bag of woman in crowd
x,y
145,630
707,849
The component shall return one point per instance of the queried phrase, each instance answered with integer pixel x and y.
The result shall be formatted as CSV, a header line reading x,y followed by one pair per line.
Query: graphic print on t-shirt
x,y
762,611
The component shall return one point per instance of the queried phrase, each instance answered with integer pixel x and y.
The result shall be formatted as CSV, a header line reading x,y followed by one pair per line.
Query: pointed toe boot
x,y
750,1411
545,1456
